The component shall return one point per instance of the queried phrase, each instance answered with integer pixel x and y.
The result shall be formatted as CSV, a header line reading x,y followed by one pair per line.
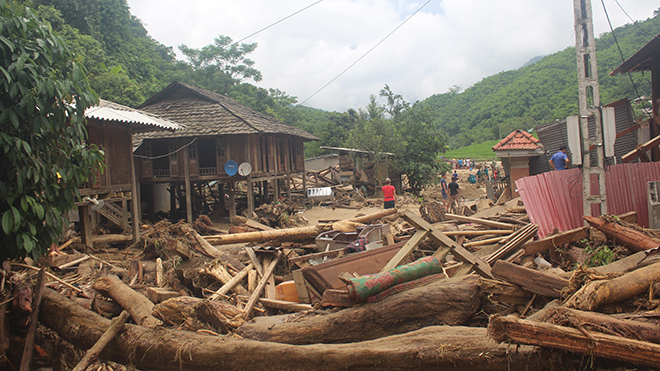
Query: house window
x,y
192,151
222,145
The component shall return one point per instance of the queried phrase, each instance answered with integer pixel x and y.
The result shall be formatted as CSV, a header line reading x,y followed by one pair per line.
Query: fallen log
x,y
604,323
635,241
289,234
517,331
445,302
136,304
182,310
435,347
597,293
531,280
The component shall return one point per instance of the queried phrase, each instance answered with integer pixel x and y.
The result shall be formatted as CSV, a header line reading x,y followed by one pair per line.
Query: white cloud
x,y
450,42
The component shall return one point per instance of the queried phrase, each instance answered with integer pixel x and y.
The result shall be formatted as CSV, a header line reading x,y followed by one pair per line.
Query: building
x,y
517,151
222,142
113,192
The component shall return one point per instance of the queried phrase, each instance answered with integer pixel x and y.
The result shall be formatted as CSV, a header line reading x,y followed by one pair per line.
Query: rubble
x,y
298,289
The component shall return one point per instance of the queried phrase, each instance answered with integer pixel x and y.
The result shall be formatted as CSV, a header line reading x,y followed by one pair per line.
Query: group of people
x,y
461,163
450,191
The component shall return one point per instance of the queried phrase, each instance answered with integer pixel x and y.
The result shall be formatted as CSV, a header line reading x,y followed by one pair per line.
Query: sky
x,y
447,43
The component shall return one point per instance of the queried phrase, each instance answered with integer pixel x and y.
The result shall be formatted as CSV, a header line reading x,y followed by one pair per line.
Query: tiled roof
x,y
204,112
518,140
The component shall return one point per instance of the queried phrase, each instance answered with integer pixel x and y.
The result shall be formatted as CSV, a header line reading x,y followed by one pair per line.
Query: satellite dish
x,y
244,169
231,167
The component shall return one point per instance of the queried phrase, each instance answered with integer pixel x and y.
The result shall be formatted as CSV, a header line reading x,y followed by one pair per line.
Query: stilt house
x,y
112,195
222,142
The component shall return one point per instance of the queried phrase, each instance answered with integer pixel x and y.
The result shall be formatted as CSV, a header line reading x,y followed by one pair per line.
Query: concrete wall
x,y
322,162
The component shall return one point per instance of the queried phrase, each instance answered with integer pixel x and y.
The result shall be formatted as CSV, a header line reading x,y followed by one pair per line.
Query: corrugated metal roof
x,y
518,140
110,111
554,199
642,60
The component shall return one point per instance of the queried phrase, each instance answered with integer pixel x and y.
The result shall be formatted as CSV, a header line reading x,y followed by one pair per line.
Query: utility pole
x,y
589,106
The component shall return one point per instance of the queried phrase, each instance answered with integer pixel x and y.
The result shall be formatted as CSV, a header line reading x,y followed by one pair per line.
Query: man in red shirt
x,y
389,198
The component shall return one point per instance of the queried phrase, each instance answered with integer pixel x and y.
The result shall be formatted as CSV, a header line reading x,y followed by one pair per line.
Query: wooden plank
x,y
480,221
249,306
531,280
255,261
285,305
457,250
637,152
270,291
405,251
557,240
301,287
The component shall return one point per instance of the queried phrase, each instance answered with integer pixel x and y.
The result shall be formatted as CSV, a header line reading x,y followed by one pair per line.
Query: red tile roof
x,y
518,140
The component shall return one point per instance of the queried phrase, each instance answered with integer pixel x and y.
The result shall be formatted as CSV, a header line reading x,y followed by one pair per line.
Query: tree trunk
x,y
607,324
630,238
132,301
517,331
445,302
437,347
600,292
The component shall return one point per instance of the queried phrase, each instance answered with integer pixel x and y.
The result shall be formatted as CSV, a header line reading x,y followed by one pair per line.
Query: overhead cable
x,y
365,54
269,26
623,59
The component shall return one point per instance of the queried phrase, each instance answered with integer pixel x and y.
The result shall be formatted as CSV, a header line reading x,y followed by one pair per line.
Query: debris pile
x,y
436,291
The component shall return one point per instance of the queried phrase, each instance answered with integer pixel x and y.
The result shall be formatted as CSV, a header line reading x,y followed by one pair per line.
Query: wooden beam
x,y
490,223
641,150
531,280
285,305
457,250
301,287
406,250
557,240
32,328
249,306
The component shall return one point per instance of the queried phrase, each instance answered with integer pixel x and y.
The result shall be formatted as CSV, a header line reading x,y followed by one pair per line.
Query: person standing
x,y
453,192
444,189
389,198
559,161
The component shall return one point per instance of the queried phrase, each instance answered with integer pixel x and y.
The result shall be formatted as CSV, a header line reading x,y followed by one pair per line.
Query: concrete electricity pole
x,y
589,107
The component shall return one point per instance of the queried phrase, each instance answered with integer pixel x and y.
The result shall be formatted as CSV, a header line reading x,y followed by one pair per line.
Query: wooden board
x,y
366,262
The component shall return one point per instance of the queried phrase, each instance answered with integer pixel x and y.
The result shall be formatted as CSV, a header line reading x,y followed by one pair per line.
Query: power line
x,y
365,54
269,26
621,54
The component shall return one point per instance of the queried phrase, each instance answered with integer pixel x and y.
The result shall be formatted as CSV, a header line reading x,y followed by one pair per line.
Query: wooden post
x,y
232,199
86,225
304,183
250,197
186,166
301,287
276,189
32,329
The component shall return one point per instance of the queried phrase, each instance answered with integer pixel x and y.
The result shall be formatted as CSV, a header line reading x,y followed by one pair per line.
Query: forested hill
x,y
540,92
127,66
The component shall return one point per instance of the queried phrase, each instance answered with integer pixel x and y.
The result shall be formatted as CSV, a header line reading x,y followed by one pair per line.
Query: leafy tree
x,y
43,95
221,65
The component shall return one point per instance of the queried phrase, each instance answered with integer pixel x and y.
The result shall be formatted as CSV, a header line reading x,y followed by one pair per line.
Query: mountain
x,y
543,90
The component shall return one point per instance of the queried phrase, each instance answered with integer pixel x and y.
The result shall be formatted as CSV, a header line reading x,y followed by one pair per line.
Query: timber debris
x,y
415,279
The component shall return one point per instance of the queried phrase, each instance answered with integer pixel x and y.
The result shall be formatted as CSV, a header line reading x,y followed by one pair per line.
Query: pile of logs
x,y
218,301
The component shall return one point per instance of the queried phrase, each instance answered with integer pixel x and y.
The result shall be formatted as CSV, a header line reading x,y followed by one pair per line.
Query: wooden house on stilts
x,y
112,193
222,143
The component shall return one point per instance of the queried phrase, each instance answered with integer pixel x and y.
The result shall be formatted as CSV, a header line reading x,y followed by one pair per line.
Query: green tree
x,y
221,65
43,95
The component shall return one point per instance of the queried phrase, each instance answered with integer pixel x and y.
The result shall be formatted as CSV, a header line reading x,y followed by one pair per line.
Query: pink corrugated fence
x,y
554,199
